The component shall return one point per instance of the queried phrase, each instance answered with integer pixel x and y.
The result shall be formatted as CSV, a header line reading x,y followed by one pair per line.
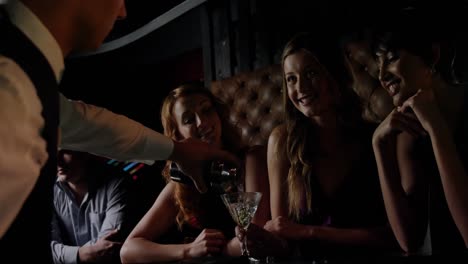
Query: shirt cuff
x,y
158,146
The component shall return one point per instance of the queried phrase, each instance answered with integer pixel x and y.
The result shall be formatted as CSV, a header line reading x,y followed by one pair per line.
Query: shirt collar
x,y
23,18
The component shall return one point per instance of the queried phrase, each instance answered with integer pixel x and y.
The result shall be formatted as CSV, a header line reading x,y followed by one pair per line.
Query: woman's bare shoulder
x,y
278,133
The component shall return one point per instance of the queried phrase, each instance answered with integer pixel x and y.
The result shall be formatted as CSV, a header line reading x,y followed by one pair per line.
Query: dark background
x,y
213,41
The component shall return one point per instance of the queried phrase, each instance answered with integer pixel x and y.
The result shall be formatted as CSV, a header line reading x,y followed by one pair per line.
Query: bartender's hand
x,y
191,156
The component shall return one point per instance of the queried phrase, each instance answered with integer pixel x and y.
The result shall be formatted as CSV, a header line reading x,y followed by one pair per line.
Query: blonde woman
x,y
323,181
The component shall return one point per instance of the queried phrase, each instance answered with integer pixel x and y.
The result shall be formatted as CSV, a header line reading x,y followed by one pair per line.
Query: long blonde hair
x,y
187,197
301,132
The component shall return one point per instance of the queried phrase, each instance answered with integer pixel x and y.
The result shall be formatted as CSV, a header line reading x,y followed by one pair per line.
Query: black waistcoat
x,y
28,238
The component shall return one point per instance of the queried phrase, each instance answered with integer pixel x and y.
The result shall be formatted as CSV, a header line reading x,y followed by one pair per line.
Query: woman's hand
x,y
260,242
208,242
256,240
425,108
285,228
396,122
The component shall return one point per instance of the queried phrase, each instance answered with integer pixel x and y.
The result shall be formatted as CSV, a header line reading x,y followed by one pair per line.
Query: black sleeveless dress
x,y
358,203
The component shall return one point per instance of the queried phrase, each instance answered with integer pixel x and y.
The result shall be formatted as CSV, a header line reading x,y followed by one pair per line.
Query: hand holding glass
x,y
242,207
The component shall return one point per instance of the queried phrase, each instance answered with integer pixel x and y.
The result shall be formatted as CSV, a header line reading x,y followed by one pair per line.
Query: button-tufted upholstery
x,y
255,102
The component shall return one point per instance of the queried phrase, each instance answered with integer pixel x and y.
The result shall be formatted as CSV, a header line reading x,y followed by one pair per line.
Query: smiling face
x,y
402,74
308,85
196,117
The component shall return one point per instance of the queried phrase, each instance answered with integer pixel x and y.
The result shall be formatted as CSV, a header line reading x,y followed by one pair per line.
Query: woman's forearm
x,y
378,237
138,250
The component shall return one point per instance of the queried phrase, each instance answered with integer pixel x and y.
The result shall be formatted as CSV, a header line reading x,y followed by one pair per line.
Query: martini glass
x,y
242,207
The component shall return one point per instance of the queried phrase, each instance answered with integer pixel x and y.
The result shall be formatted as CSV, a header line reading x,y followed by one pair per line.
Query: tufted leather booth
x,y
255,102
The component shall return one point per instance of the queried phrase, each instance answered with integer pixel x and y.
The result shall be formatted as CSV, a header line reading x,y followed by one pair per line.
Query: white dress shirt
x,y
82,127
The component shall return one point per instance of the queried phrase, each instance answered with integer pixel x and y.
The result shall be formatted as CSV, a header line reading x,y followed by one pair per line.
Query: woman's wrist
x,y
381,143
185,251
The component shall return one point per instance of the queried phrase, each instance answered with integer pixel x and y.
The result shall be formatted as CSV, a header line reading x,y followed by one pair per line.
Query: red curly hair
x,y
187,197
